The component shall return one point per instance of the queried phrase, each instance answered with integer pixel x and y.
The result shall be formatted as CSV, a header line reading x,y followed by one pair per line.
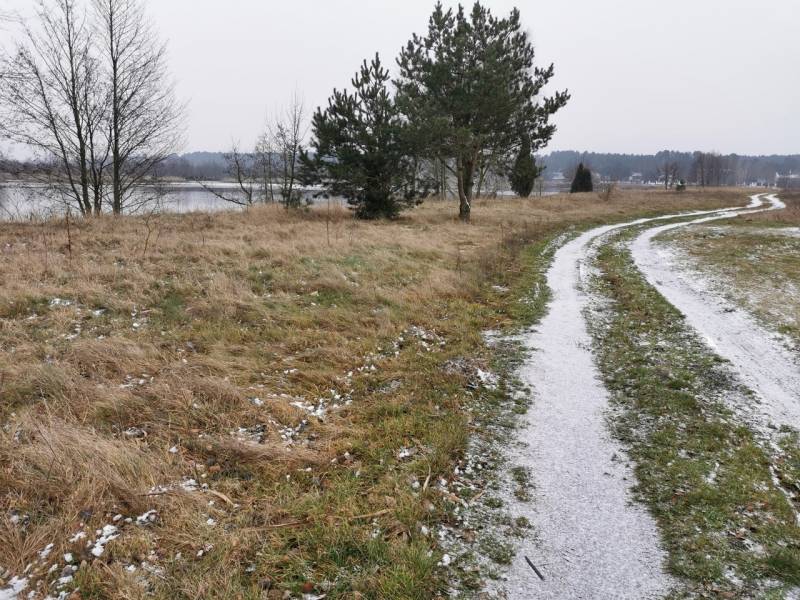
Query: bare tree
x,y
669,171
699,167
288,130
53,101
145,119
265,156
715,168
246,171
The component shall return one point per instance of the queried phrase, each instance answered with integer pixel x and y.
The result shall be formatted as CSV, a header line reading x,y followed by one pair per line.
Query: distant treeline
x,y
710,168
694,167
202,166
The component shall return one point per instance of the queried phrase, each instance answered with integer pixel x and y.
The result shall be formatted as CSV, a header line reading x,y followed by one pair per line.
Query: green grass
x,y
232,318
705,476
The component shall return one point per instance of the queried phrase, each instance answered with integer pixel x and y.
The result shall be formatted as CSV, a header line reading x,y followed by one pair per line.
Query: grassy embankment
x,y
730,530
275,387
756,264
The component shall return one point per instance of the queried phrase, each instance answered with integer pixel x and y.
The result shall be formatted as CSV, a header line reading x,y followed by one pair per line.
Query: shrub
x,y
582,182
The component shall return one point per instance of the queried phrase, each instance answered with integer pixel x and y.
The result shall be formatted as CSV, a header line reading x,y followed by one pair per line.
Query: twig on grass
x,y
380,513
535,570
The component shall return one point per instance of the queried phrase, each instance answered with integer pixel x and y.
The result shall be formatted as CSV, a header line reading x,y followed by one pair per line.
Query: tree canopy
x,y
359,148
470,92
524,172
582,182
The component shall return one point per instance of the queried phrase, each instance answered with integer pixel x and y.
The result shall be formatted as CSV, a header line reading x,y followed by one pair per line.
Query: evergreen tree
x,y
468,88
359,151
582,182
524,172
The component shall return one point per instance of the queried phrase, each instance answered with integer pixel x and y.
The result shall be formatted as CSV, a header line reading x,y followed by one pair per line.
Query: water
x,y
24,201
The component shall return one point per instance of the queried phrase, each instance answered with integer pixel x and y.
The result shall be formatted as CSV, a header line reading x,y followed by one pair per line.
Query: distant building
x,y
790,181
558,177
636,178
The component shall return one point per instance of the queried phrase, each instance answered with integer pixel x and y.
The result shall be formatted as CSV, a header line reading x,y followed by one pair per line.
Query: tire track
x,y
591,540
759,357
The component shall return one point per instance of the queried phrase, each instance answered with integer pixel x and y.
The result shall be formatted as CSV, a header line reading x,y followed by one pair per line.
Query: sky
x,y
644,75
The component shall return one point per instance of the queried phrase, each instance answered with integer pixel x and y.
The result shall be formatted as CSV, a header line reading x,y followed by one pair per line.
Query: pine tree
x,y
468,87
582,182
359,148
524,172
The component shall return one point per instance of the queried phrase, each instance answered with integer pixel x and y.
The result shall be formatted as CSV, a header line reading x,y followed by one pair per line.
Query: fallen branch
x,y
380,513
221,496
535,570
477,496
285,525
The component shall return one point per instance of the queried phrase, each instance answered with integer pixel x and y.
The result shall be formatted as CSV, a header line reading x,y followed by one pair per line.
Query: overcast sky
x,y
644,74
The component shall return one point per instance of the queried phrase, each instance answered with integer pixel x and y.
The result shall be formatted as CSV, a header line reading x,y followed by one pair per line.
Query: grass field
x,y
755,260
709,479
250,405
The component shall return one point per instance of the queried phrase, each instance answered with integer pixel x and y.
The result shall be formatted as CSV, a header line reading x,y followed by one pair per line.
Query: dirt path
x,y
590,539
758,355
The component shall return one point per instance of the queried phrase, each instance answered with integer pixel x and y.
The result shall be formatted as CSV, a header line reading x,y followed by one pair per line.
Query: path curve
x,y
760,358
591,540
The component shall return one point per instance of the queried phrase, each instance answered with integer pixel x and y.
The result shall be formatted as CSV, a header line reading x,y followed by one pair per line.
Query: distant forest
x,y
716,169
694,167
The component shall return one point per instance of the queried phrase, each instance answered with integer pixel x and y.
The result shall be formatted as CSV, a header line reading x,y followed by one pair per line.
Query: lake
x,y
21,201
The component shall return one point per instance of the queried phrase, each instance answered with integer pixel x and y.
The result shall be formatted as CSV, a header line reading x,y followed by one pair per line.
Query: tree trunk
x,y
98,203
116,184
443,178
481,180
85,202
465,182
115,152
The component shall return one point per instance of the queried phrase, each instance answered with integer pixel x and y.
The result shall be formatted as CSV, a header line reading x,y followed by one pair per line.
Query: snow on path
x,y
591,540
762,361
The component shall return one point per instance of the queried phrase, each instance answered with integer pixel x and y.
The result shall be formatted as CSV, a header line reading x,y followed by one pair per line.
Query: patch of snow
x,y
148,518
592,539
318,411
135,432
13,589
105,535
488,379
404,453
77,537
762,361
46,552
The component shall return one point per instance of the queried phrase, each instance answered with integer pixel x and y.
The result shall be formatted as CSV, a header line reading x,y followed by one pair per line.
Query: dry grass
x,y
131,362
753,262
783,218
